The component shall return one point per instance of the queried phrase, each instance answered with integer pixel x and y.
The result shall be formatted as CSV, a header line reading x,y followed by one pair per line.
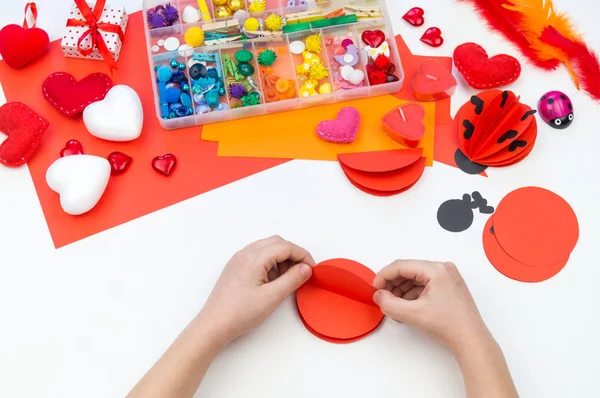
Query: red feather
x,y
505,22
584,61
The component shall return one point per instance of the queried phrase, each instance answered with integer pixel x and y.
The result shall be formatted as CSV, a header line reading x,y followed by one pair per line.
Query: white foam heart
x,y
118,117
383,49
190,14
80,180
351,75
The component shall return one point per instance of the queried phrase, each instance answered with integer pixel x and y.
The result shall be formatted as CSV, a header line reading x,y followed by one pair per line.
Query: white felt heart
x,y
383,49
118,117
80,180
351,75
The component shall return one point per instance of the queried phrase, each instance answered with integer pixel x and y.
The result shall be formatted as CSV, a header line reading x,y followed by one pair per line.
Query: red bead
x,y
72,147
164,164
119,162
415,16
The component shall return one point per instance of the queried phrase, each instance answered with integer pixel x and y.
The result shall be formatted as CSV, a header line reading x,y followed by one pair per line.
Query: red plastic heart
x,y
482,72
373,38
415,16
69,96
433,82
72,147
164,164
119,162
24,129
19,46
433,37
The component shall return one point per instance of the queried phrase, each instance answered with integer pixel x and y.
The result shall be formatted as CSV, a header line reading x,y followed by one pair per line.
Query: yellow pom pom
x,y
313,43
309,89
318,72
274,22
194,36
252,24
257,6
325,89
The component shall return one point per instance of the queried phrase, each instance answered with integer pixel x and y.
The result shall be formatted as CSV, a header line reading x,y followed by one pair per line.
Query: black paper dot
x,y
466,165
455,215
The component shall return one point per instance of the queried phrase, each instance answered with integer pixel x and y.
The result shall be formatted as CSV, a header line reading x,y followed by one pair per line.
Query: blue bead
x,y
174,63
164,74
174,106
181,66
183,111
222,106
198,98
200,109
185,87
172,95
156,68
185,99
172,115
221,92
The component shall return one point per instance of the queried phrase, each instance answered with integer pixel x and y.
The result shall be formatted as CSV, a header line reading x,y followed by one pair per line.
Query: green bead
x,y
251,99
267,58
243,56
197,89
245,69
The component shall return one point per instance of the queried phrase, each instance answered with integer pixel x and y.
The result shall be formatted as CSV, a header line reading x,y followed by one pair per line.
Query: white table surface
x,y
89,319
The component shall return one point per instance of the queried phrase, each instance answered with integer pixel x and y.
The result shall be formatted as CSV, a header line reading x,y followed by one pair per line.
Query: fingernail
x,y
306,271
377,297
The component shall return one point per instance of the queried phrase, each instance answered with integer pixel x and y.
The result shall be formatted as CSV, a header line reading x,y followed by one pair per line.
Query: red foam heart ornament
x,y
373,38
164,164
72,147
433,82
482,72
433,37
69,96
21,45
119,162
24,129
405,124
415,16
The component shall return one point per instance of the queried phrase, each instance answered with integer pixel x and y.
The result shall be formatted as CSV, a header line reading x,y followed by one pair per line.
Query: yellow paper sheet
x,y
291,135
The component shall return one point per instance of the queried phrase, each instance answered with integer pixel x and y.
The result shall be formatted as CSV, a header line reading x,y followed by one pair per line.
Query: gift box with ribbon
x,y
95,32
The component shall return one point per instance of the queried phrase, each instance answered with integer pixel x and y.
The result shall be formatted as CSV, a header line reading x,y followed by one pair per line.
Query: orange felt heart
x,y
433,82
405,124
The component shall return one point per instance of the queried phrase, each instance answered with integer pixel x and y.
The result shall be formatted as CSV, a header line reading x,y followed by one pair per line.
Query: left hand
x,y
253,284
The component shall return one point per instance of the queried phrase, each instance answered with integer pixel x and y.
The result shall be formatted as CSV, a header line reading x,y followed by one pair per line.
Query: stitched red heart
x,y
164,164
69,96
373,38
482,72
19,46
119,162
433,81
433,37
72,147
405,124
415,16
24,129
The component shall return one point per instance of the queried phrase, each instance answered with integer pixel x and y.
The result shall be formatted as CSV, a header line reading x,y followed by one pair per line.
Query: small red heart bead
x,y
119,162
415,16
164,164
433,37
72,147
373,38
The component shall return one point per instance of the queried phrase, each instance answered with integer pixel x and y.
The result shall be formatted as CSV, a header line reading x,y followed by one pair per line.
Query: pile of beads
x,y
239,74
312,70
344,58
162,16
208,85
173,90
380,68
275,87
226,8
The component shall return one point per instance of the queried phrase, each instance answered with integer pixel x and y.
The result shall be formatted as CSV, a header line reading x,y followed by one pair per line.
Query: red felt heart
x,y
71,97
72,147
433,82
373,38
415,16
24,129
164,164
19,46
119,162
405,124
482,72
433,37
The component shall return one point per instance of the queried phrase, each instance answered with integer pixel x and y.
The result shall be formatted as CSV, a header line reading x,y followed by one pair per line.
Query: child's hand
x,y
432,297
253,284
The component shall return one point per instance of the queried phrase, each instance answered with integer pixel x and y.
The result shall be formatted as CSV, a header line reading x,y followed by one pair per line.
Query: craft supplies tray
x,y
217,60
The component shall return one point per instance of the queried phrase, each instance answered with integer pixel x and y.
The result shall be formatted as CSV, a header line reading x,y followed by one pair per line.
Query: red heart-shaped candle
x,y
20,46
482,72
119,162
72,147
415,16
373,38
433,82
405,124
69,96
24,129
164,164
433,37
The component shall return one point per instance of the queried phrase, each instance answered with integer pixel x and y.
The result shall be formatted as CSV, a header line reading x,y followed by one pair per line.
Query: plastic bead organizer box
x,y
217,60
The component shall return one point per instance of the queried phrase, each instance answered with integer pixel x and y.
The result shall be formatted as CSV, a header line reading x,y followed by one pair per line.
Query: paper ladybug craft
x,y
21,45
556,109
495,130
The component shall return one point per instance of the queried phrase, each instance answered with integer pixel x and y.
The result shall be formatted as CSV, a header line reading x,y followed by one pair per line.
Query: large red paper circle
x,y
536,226
339,309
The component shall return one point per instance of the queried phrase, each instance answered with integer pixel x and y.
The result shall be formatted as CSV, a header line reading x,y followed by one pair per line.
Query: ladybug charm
x,y
556,109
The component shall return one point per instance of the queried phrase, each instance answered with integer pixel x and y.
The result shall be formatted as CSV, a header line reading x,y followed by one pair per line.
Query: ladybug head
x,y
562,123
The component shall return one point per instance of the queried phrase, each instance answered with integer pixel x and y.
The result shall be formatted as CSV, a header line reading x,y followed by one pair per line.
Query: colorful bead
x,y
185,87
267,58
164,73
243,56
181,66
245,69
174,64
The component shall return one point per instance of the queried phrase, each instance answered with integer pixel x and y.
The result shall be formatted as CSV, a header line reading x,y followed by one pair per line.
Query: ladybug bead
x,y
556,109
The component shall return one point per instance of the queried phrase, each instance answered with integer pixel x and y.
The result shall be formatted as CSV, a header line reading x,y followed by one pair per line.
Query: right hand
x,y
432,297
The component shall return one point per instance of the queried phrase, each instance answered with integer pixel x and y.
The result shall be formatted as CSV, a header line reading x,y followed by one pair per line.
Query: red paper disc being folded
x,y
336,304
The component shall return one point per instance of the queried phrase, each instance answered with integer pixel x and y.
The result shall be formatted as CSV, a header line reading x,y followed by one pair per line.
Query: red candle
x,y
433,82
405,124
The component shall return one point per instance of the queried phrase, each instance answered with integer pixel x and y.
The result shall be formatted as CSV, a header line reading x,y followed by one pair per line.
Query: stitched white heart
x,y
118,117
80,180
351,75
383,49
